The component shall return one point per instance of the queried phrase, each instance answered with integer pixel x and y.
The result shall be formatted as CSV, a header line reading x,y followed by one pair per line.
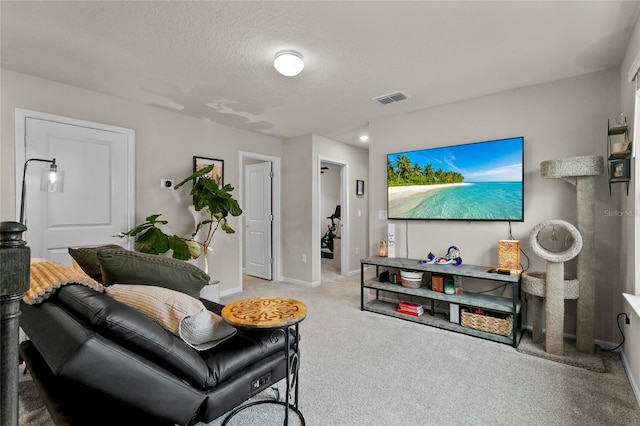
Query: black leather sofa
x,y
99,361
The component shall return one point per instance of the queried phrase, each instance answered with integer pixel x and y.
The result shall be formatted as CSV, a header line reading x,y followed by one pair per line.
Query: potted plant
x,y
208,194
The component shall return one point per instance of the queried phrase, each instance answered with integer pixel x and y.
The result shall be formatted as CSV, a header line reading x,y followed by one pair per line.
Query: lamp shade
x,y
52,180
288,62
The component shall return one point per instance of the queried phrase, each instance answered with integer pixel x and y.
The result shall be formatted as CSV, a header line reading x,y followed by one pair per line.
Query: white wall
x,y
357,160
630,223
560,119
166,141
298,231
301,216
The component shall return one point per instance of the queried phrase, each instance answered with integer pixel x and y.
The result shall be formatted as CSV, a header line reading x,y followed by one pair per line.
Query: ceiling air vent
x,y
390,98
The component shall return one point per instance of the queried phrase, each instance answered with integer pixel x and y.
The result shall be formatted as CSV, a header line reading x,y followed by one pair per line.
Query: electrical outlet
x,y
627,319
304,258
357,250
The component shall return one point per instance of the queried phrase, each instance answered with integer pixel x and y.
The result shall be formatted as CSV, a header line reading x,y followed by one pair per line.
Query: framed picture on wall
x,y
620,170
359,187
216,174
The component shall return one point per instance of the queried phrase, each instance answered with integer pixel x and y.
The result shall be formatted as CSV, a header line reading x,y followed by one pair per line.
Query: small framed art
x,y
620,170
216,174
359,187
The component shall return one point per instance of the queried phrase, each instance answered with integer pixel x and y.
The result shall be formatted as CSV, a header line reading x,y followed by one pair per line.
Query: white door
x,y
97,202
258,218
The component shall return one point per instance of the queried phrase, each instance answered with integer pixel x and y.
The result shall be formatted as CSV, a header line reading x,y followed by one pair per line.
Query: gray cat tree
x,y
552,286
581,172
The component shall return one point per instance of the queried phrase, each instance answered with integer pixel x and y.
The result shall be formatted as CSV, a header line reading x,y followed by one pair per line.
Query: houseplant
x,y
207,194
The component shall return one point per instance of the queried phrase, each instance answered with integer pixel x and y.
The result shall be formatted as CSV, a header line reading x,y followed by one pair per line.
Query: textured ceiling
x,y
213,59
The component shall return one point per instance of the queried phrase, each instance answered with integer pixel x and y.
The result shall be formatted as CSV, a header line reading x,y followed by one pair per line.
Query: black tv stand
x,y
497,304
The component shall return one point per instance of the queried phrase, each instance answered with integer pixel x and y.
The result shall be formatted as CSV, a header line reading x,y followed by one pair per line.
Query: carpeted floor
x,y
363,368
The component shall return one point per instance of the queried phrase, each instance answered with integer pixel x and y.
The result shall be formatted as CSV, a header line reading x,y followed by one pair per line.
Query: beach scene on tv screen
x,y
478,181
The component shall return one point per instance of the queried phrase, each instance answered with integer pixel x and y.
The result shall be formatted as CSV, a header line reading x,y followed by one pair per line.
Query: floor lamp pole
x,y
14,282
53,168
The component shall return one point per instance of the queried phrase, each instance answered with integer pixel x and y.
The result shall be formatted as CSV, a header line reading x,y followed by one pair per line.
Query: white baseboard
x,y
230,291
634,384
300,282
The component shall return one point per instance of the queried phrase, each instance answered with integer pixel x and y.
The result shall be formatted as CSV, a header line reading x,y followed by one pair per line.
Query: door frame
x,y
21,116
344,210
276,240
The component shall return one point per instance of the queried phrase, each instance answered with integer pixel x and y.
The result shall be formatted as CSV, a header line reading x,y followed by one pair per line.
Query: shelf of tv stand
x,y
510,306
477,300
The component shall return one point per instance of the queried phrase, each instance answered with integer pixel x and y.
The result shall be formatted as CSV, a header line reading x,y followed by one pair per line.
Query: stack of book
x,y
410,309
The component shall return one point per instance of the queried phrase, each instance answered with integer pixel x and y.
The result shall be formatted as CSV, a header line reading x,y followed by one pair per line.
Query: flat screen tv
x,y
476,181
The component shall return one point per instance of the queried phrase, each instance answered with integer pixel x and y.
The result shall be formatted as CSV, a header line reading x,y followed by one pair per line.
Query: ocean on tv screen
x,y
464,201
477,181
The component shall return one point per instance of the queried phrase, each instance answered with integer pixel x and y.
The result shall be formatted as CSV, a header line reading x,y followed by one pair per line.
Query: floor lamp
x,y
51,181
14,282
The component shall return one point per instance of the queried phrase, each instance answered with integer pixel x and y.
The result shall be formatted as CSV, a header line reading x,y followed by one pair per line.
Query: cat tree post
x,y
583,169
554,282
585,194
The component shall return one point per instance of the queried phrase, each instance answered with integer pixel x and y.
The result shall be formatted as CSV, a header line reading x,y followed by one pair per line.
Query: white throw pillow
x,y
177,312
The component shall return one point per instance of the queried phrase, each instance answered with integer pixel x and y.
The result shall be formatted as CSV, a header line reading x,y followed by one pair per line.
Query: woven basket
x,y
489,324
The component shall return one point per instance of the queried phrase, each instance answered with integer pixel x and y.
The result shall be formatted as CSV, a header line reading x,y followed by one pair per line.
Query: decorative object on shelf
x,y
208,195
382,248
409,308
583,171
620,169
477,319
359,187
411,279
619,152
437,283
454,313
509,254
554,280
451,258
457,284
449,286
391,240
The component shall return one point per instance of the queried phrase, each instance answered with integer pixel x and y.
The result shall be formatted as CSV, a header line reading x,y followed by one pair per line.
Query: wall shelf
x,y
618,153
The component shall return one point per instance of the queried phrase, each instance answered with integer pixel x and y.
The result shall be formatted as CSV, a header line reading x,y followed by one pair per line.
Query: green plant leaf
x,y
153,219
225,227
153,241
180,248
194,248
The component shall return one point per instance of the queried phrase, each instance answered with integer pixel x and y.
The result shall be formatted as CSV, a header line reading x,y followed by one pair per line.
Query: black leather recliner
x,y
101,361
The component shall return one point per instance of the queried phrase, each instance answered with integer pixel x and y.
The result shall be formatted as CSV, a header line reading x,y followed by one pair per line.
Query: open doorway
x,y
332,227
260,227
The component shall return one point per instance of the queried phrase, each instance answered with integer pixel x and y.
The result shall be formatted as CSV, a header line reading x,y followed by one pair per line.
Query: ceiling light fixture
x,y
288,62
364,138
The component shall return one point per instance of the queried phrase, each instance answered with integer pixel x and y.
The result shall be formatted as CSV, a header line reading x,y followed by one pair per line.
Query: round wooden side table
x,y
281,315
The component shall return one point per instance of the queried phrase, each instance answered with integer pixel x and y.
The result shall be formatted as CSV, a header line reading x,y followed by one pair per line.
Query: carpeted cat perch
x,y
581,172
553,286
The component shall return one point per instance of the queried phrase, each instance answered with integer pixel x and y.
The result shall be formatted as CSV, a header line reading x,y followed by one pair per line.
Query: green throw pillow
x,y
87,258
130,267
